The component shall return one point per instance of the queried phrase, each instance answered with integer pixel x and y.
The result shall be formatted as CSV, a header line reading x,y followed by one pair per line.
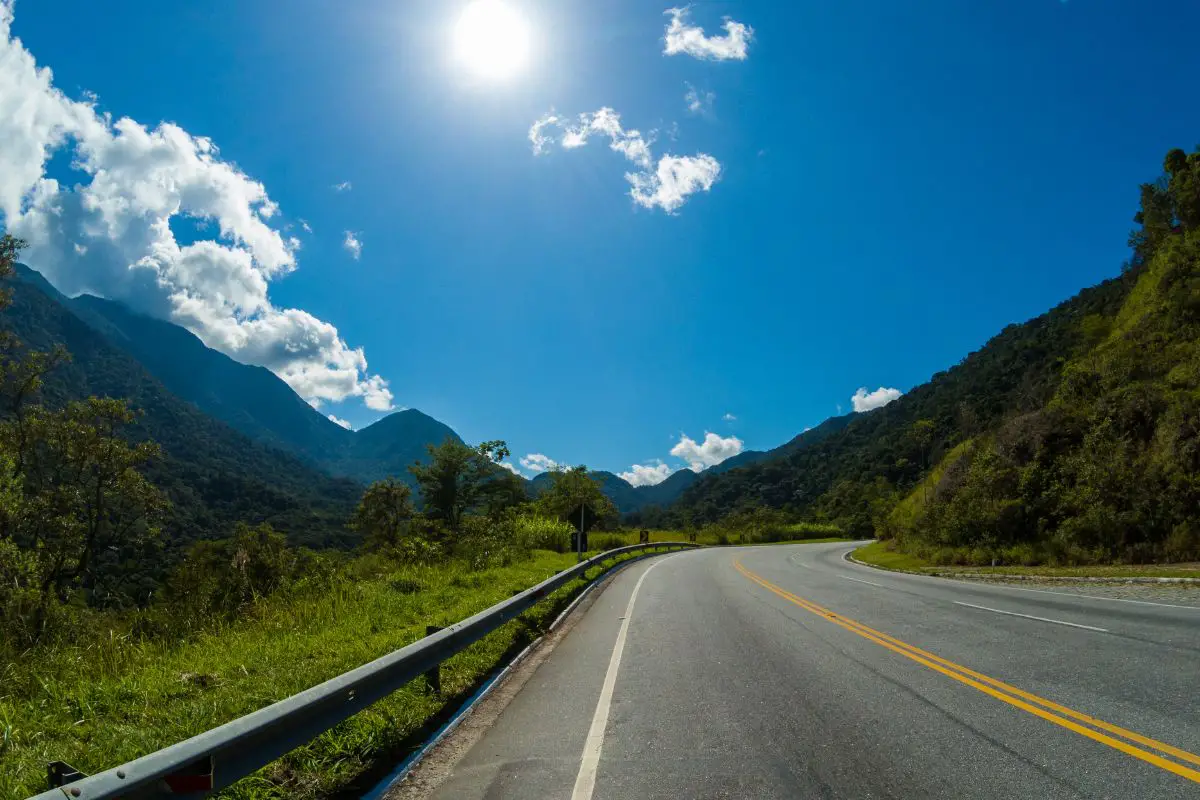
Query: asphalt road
x,y
787,672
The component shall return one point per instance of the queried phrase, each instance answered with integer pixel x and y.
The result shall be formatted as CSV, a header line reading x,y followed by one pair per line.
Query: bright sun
x,y
492,39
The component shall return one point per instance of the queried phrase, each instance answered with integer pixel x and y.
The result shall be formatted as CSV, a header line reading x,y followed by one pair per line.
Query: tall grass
x,y
117,696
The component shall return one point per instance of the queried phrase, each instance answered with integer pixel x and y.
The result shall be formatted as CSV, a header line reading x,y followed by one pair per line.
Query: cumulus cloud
x,y
868,401
506,465
712,451
110,232
698,102
684,38
729,417
352,245
536,462
664,185
647,474
341,422
675,178
344,186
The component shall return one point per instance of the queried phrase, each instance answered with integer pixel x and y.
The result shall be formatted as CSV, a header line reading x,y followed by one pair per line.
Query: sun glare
x,y
492,39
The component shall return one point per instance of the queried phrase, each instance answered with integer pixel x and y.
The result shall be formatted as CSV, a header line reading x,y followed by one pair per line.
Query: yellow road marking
x,y
992,687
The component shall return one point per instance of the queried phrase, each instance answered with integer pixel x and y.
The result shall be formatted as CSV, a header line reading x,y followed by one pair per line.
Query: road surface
x,y
788,672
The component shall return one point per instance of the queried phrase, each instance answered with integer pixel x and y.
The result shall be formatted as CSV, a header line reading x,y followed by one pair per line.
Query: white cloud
x,y
729,417
341,422
352,245
304,224
698,102
506,465
537,137
536,462
868,401
344,186
675,178
666,185
110,233
684,38
712,451
647,474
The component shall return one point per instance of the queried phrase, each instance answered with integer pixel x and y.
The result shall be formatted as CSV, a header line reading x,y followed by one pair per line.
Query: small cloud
x,y
536,462
344,186
869,401
352,245
684,38
729,417
539,140
673,181
304,224
665,185
506,465
80,249
647,474
341,422
698,102
712,451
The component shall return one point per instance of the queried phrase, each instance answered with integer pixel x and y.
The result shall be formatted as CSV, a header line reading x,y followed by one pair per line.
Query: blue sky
x,y
897,182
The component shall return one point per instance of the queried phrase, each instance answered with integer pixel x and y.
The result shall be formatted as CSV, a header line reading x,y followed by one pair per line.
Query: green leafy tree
x,y
383,515
460,478
84,494
569,489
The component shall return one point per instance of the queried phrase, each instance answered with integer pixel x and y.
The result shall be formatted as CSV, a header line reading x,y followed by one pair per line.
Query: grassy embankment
x,y
880,554
114,698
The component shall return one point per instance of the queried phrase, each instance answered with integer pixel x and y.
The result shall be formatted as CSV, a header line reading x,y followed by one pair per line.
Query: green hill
x,y
214,475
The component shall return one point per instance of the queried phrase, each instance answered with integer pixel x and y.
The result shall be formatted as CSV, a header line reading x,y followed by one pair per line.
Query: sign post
x,y
581,518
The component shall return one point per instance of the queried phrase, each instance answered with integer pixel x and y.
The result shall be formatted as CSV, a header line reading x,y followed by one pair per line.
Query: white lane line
x,y
1028,616
585,781
860,580
1096,597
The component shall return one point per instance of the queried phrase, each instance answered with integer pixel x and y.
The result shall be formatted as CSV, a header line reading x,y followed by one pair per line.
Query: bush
x,y
543,533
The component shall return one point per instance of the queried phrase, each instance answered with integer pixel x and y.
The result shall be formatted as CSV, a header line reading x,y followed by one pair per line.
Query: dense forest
x,y
1071,438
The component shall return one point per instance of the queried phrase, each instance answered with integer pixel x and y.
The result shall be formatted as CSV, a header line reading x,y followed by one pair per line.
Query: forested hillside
x,y
1070,438
213,475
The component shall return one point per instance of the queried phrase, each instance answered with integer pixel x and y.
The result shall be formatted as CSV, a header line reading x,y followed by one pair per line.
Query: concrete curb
x,y
993,576
406,766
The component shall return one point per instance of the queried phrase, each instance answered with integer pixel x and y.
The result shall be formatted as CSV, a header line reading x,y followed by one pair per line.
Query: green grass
x,y
116,698
880,554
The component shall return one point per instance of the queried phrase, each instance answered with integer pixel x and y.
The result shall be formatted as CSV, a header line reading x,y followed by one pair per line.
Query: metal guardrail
x,y
217,758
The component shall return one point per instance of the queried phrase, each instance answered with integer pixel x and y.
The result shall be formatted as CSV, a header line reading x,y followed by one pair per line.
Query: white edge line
x,y
1093,597
401,773
585,781
1030,616
860,580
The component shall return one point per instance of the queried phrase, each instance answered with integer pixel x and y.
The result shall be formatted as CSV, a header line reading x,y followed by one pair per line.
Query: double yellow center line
x,y
1095,729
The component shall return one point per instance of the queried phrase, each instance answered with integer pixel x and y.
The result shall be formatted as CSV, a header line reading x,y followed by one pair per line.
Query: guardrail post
x,y
433,678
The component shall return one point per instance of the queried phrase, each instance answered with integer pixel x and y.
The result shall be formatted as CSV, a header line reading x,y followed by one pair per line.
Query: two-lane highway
x,y
787,672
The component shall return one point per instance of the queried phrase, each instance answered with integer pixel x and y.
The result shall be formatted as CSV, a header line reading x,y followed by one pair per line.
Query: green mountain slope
x,y
254,400
214,475
845,473
389,446
251,399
